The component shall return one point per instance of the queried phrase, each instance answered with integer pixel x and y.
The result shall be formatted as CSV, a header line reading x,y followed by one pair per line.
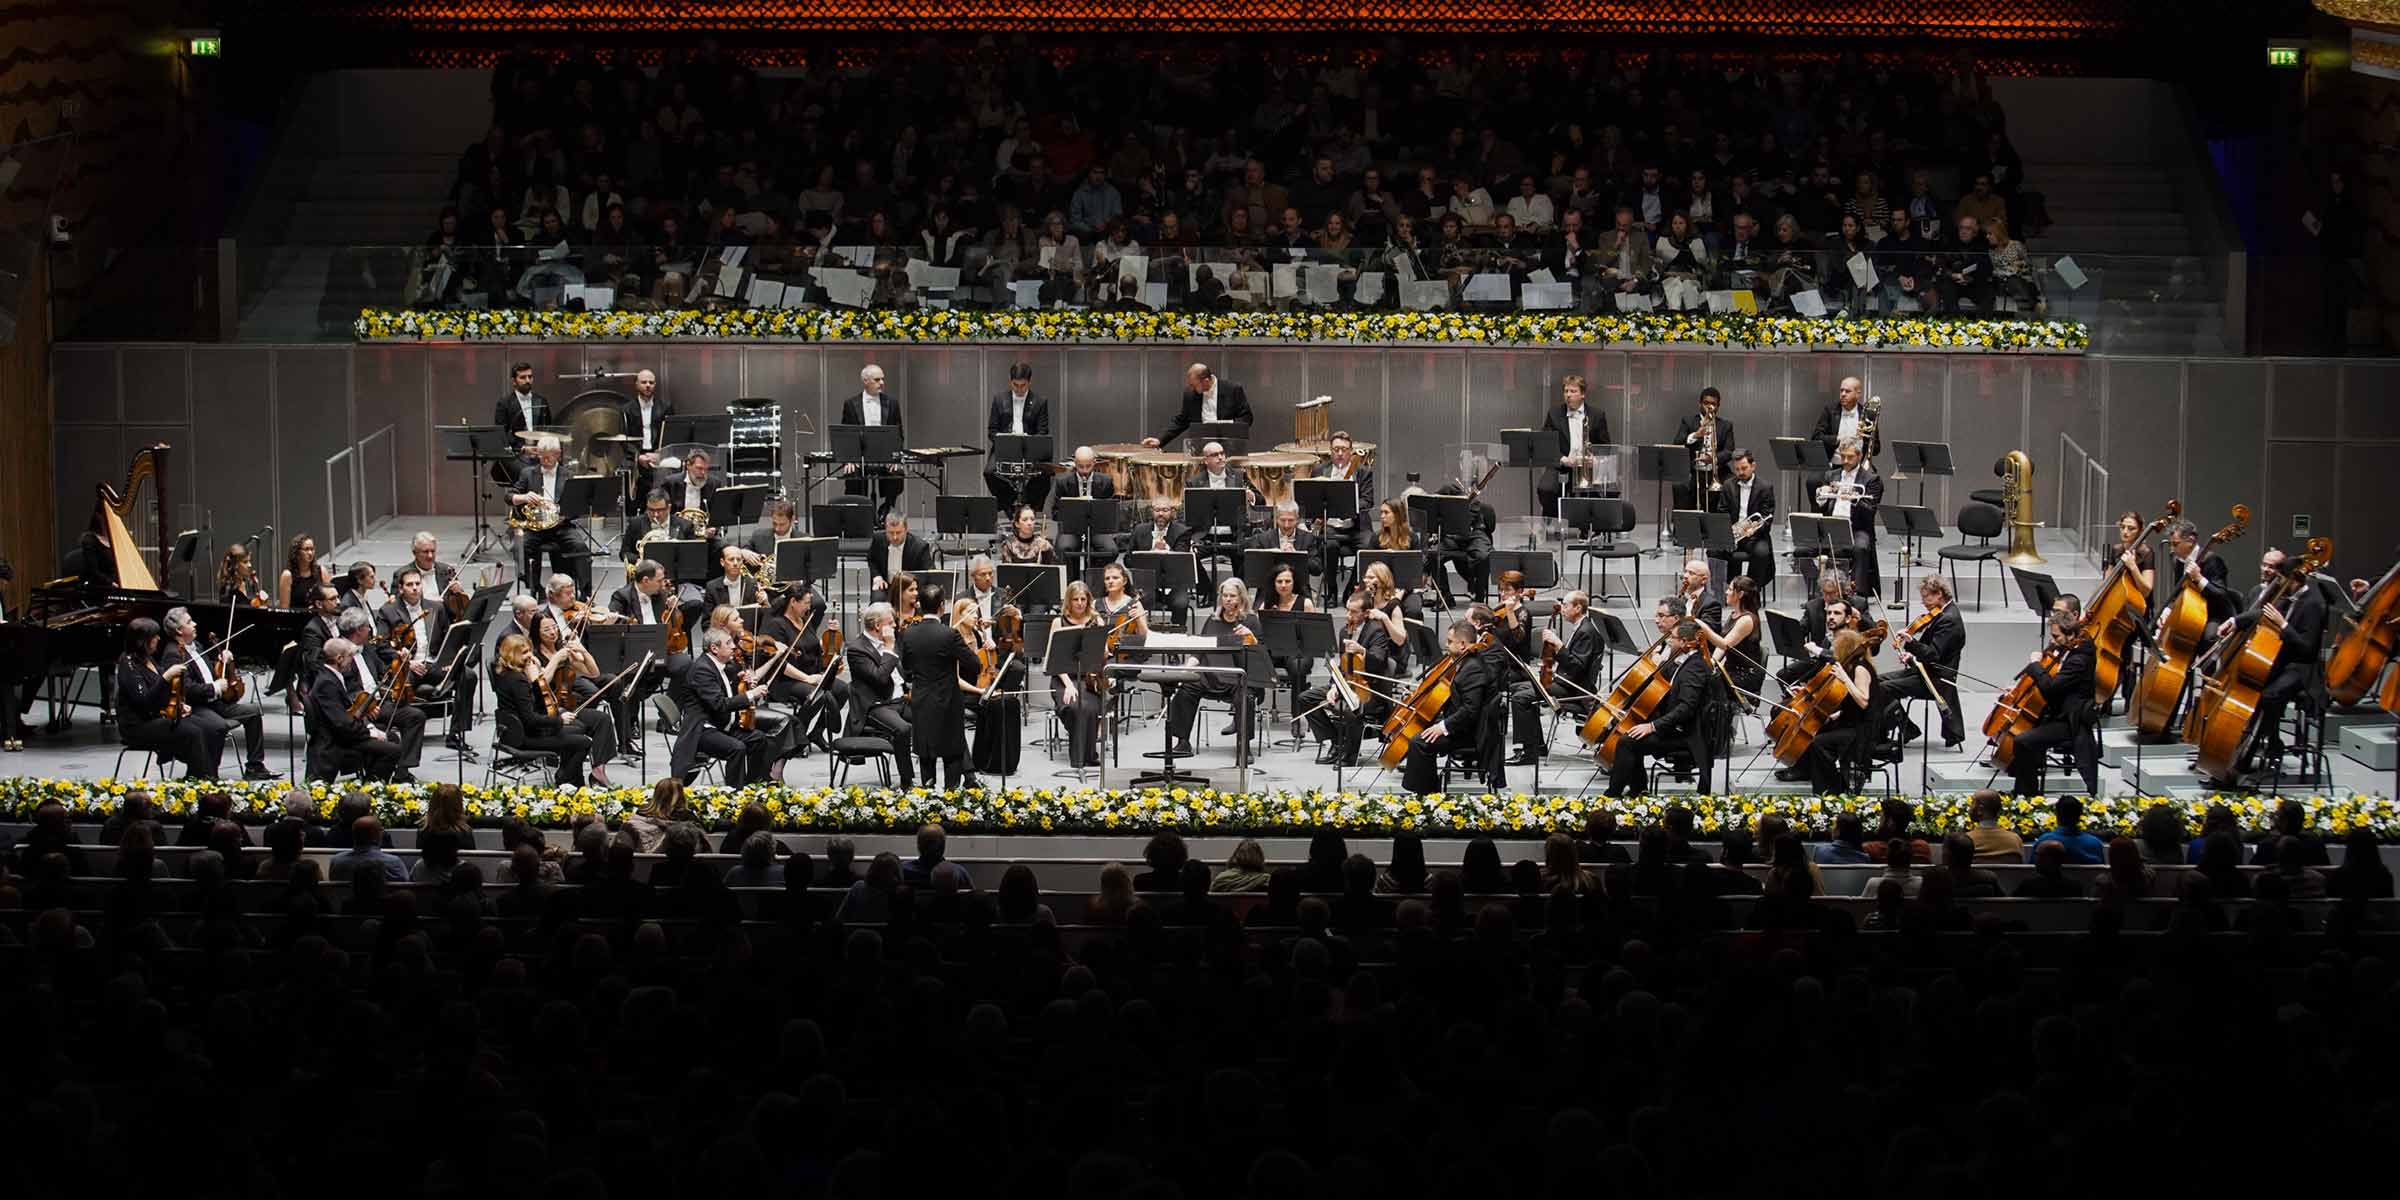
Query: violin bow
x,y
613,681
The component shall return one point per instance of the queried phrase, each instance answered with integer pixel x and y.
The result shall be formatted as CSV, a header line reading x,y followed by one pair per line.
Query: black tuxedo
x,y
1754,555
1553,483
1099,486
1474,691
510,416
562,543
1676,720
2297,664
915,556
337,741
737,592
437,580
677,485
2222,601
311,642
2066,717
660,410
1828,432
1302,541
934,657
1863,567
1233,404
708,698
1938,647
677,528
216,715
1687,434
1009,490
877,711
887,484
626,601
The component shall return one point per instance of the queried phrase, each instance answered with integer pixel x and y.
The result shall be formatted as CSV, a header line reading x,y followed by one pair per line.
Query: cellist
x,y
1472,691
1677,719
2302,622
2066,688
1939,640
1853,660
1513,629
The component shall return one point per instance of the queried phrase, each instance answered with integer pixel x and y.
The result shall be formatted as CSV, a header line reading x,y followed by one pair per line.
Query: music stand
x,y
1079,653
1912,523
1817,536
1798,456
1922,458
715,429
1708,532
685,559
810,559
1538,450
1259,567
2040,592
1407,566
1295,636
1661,463
736,505
1023,449
846,520
476,445
1208,509
1035,585
1788,634
866,445
590,495
958,518
1540,566
1088,518
486,599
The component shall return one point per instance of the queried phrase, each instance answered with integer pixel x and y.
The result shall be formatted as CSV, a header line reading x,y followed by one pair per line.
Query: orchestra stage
x,y
1999,638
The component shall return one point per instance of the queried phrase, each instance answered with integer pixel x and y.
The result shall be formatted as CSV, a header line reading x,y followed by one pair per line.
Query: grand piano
x,y
79,619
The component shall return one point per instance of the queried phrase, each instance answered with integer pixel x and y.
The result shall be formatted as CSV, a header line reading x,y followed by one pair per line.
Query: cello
x,y
2117,609
1630,701
1813,704
1421,706
2225,705
2020,708
2359,658
2180,628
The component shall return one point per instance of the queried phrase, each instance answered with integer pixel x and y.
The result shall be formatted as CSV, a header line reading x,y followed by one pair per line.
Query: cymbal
x,y
616,437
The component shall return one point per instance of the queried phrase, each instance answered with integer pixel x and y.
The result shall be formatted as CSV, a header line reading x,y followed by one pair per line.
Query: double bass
x,y
2180,629
1813,704
2361,654
1630,701
1421,706
2225,705
2117,609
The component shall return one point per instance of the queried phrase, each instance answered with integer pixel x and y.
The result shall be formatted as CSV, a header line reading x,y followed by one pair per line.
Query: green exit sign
x,y
2283,56
205,47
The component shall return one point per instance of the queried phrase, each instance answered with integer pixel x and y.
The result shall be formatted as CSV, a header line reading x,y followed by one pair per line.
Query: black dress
x,y
538,729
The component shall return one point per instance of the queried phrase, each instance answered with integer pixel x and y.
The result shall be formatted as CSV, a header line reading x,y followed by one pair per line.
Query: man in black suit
x,y
1470,552
1694,432
1581,643
1844,420
2188,555
1206,399
1345,535
709,694
658,512
2302,617
325,607
205,702
1473,690
1579,427
2066,711
1852,491
520,409
869,406
940,668
1162,533
896,551
1937,647
437,678
733,585
1830,611
544,480
425,554
647,599
337,741
370,665
693,487
1748,499
1676,720
1286,534
876,686
646,417
1085,481
1017,411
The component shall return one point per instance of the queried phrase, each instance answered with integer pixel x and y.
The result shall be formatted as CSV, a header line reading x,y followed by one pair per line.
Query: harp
x,y
132,523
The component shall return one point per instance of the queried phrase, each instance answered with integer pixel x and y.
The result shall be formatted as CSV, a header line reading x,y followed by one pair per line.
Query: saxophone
x,y
2016,507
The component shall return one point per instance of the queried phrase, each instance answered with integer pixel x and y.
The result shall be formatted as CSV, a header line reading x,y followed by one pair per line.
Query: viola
x,y
2361,654
2224,714
2180,629
235,686
678,641
1814,703
1422,704
2117,609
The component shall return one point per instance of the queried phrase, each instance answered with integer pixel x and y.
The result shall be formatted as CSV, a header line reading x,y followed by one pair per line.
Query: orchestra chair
x,y
1981,522
2307,741
510,758
858,747
1604,519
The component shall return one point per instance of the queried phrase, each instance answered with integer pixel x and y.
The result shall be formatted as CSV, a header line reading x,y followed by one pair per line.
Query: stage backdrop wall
x,y
329,438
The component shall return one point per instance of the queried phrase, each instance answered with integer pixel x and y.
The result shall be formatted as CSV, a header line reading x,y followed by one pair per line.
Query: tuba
x,y
2016,507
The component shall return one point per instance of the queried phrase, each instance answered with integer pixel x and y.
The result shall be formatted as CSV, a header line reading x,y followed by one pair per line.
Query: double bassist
x,y
1853,661
2301,618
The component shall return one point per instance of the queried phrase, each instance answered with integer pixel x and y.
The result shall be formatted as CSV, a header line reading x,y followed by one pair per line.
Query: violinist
x,y
518,695
429,625
204,701
559,599
1580,643
983,587
1939,641
1025,543
2301,616
1078,704
425,554
1853,661
710,694
143,691
1232,619
1000,712
1472,693
2066,688
734,585
325,611
1118,605
818,697
646,600
941,669
902,596
874,663
1376,636
370,666
574,678
337,741
237,578
1284,594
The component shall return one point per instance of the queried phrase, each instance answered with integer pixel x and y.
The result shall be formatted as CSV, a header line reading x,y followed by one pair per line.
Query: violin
x,y
1422,704
402,682
1812,706
678,641
234,684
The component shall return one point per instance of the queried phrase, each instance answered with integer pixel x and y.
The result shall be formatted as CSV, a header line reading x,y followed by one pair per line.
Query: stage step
x,y
2374,746
2117,750
2346,718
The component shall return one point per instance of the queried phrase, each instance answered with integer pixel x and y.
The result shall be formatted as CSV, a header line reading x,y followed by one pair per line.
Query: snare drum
x,y
1116,458
1158,473
1271,472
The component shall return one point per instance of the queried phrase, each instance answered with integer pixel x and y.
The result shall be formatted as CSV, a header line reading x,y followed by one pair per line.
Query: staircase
x,y
354,220
2124,223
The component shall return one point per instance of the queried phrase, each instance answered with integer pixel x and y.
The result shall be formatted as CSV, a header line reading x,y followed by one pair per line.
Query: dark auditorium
x,y
1253,600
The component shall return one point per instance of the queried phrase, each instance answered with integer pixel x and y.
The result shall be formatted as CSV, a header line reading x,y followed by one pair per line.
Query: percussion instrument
x,y
1159,473
1361,452
1116,458
1271,472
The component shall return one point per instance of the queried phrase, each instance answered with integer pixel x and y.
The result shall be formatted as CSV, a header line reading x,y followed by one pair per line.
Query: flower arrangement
x,y
1697,330
1191,810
